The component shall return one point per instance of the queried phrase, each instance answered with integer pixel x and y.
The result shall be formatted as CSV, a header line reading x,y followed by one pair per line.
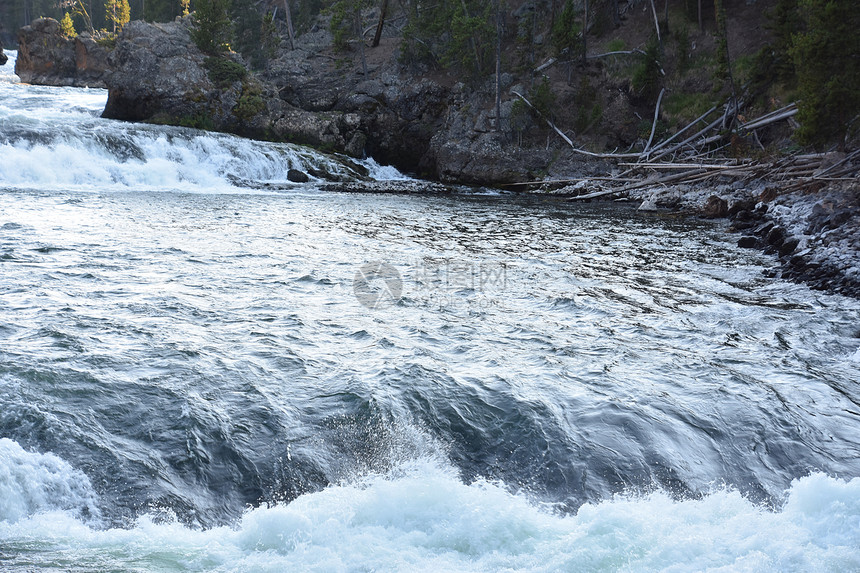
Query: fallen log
x,y
567,139
697,120
763,121
678,146
616,53
654,123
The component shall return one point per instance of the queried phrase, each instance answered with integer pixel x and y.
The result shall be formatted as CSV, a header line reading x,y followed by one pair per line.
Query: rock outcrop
x,y
429,126
161,76
46,57
158,73
3,57
426,126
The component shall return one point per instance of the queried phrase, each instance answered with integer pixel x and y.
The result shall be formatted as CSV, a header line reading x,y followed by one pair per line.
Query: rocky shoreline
x,y
429,127
814,235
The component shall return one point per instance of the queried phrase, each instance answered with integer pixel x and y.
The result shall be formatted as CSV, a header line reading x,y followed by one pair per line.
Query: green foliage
x,y
163,10
588,108
566,33
455,34
340,26
773,64
250,102
470,41
682,49
117,13
685,107
722,71
213,29
107,41
197,121
827,58
785,22
521,117
255,36
646,74
269,37
67,27
304,13
543,98
616,45
223,71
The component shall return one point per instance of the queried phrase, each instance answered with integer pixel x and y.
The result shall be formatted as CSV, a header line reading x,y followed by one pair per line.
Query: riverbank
x,y
815,235
304,98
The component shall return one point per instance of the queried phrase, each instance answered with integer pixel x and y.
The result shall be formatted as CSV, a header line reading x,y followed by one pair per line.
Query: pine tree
x,y
118,13
212,27
827,58
67,27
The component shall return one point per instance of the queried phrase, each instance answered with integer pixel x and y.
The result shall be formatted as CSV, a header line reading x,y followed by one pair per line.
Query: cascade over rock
x,y
419,124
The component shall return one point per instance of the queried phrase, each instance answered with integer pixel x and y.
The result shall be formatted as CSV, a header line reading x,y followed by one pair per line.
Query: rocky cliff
x,y
47,57
435,127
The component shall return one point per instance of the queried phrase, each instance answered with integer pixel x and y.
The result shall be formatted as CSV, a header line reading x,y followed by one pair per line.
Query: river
x,y
204,367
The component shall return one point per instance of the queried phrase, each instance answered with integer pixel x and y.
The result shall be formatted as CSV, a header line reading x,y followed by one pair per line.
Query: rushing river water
x,y
199,376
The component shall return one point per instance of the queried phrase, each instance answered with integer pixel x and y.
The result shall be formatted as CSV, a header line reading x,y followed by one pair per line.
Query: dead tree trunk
x,y
383,8
498,65
584,30
657,25
289,17
700,16
360,35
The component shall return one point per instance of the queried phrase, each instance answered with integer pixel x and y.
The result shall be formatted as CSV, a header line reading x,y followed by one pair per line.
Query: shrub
x,y
250,102
223,71
67,27
646,74
566,32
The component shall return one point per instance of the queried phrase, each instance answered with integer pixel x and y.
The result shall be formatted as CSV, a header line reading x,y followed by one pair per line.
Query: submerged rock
x,y
297,176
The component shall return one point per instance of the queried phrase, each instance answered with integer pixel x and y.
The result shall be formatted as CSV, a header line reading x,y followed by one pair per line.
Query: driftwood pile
x,y
692,155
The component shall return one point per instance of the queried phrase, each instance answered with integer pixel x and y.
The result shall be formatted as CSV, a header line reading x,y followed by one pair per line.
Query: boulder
x,y
92,61
749,243
46,57
788,247
158,75
3,57
715,208
297,176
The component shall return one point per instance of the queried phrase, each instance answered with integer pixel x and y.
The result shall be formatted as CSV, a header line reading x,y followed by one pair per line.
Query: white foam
x,y
383,172
52,138
149,159
423,518
32,483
